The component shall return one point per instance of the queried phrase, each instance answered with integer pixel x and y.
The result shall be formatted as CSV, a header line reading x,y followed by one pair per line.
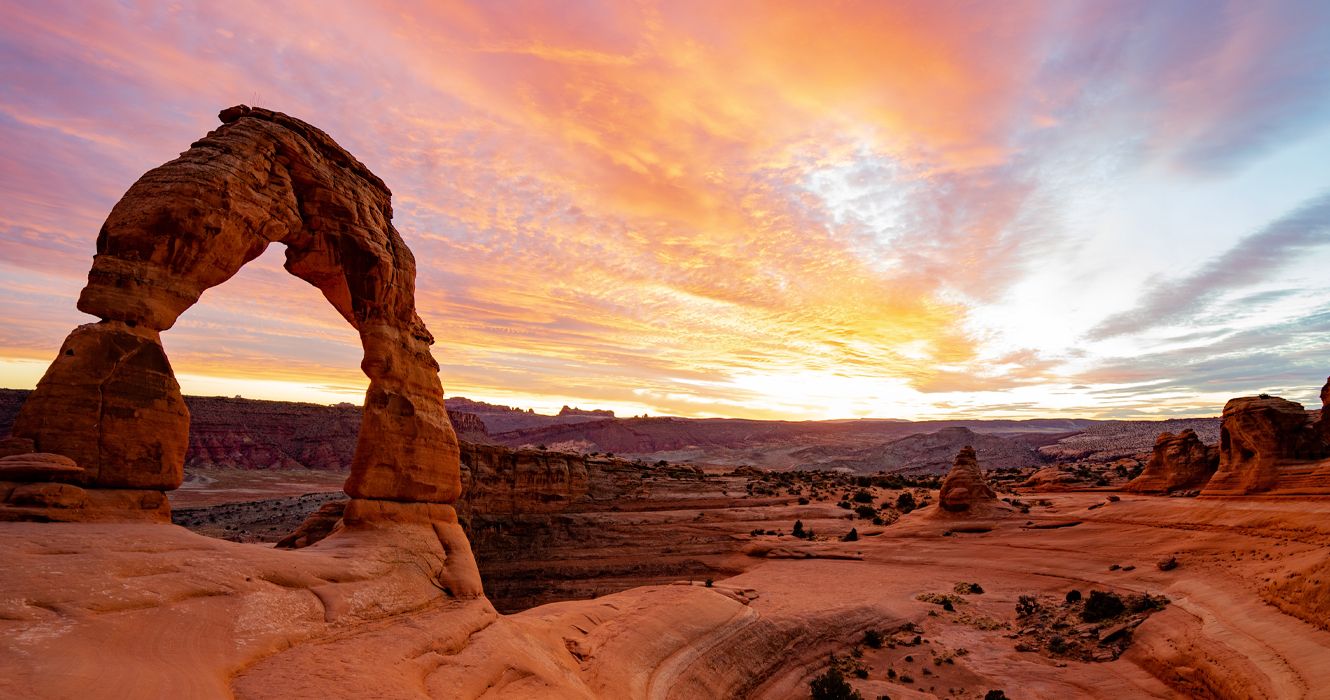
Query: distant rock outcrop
x,y
498,480
594,412
1051,479
965,493
1270,445
964,487
931,453
1179,462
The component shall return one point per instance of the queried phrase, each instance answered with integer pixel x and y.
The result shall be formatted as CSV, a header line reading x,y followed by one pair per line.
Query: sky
x,y
768,209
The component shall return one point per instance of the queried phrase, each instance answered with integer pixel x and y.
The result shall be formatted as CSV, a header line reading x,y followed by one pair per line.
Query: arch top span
x,y
110,401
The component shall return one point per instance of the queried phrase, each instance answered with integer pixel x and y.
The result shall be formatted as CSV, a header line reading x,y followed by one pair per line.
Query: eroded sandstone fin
x,y
110,401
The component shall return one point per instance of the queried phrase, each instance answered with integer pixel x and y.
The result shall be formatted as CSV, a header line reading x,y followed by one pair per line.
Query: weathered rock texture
x,y
1269,445
110,401
498,480
964,487
1179,462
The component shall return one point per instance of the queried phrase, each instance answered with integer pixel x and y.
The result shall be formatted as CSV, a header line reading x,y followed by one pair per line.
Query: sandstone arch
x,y
110,401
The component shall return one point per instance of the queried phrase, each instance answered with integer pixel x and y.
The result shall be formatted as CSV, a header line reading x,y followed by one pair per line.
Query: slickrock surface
x,y
1178,462
124,610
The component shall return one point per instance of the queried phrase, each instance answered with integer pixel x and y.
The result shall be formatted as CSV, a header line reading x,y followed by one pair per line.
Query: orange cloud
x,y
677,207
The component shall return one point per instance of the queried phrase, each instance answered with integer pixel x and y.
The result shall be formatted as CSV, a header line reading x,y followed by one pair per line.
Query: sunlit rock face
x,y
1269,445
110,401
1178,462
964,488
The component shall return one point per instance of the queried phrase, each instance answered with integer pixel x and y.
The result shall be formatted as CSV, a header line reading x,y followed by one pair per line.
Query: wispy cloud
x,y
1254,259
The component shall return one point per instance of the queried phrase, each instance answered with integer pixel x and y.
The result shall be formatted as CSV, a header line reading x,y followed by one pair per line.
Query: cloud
x,y
687,206
1254,259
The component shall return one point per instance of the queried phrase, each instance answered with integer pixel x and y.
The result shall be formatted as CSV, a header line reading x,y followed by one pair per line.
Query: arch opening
x,y
110,402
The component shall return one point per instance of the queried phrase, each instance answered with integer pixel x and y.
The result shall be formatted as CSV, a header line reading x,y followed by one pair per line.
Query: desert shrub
x,y
946,605
798,528
877,520
969,588
851,536
1027,605
1168,564
873,639
844,504
861,672
832,686
995,695
905,502
803,501
866,512
1073,596
1057,644
1144,602
1102,605
863,497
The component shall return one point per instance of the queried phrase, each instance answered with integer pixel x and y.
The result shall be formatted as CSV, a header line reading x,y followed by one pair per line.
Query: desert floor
x,y
141,610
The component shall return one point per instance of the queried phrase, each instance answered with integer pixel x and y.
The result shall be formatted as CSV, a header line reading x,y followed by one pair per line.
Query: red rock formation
x,y
966,493
498,480
1269,445
1051,479
1179,462
1323,422
110,401
964,489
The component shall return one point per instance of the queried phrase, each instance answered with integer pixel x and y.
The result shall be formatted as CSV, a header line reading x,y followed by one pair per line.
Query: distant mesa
x,y
596,412
1178,463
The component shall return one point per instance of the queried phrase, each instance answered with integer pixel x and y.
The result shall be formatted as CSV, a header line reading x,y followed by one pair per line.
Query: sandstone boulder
x,y
1178,462
59,502
42,466
964,486
317,526
966,494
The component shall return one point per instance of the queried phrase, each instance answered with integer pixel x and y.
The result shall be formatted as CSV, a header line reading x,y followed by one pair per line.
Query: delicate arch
x,y
110,401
